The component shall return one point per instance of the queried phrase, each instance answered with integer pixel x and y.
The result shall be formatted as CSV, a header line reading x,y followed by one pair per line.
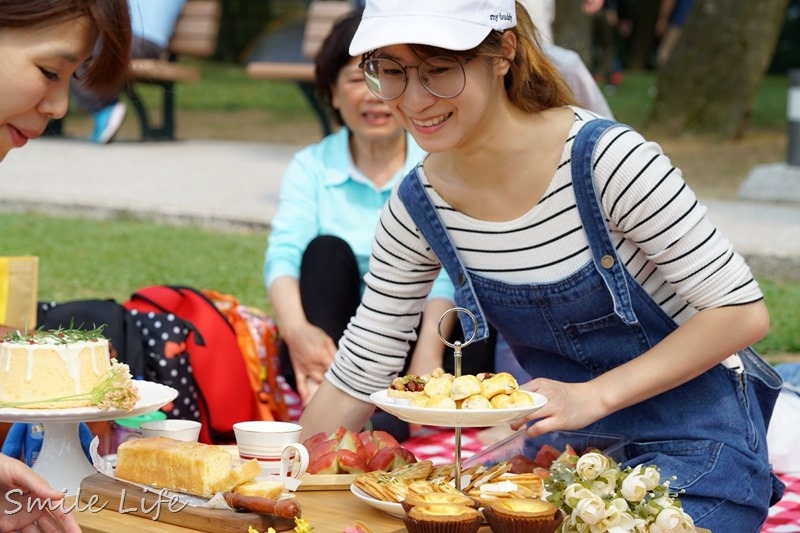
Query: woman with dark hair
x,y
43,44
579,241
328,207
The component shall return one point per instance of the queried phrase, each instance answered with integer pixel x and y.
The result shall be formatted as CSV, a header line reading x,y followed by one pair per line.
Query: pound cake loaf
x,y
192,467
44,365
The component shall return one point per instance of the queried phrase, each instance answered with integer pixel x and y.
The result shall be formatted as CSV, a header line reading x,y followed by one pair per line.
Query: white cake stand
x,y
61,460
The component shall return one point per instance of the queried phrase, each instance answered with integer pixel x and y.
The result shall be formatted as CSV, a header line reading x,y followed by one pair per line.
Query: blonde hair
x,y
532,82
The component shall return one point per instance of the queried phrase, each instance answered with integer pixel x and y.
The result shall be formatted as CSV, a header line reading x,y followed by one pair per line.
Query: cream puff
x,y
441,401
464,386
501,383
440,385
476,401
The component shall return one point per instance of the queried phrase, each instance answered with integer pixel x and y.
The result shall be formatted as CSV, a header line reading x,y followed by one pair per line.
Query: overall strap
x,y
604,255
421,208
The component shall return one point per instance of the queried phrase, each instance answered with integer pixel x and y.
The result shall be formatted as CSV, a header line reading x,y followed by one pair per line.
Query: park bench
x,y
196,33
289,58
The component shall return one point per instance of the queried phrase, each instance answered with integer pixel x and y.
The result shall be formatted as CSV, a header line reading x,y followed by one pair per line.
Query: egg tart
x,y
442,518
522,515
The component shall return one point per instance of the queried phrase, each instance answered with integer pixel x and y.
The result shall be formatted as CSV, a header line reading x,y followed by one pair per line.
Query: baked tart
x,y
522,515
442,518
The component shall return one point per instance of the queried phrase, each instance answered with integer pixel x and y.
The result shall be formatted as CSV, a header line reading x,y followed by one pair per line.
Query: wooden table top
x,y
328,511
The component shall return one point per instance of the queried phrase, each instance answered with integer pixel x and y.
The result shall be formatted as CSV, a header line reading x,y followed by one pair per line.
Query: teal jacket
x,y
322,195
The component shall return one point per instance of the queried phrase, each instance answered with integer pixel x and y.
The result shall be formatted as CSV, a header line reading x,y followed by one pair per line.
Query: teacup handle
x,y
287,468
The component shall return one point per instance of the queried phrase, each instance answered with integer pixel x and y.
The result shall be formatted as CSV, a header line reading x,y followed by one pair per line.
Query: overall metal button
x,y
607,261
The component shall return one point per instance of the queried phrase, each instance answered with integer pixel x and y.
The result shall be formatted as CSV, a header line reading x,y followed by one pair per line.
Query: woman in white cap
x,y
578,240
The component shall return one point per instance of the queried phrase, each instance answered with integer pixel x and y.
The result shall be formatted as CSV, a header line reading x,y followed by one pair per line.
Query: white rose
x,y
651,477
591,465
606,484
575,493
590,509
655,505
572,524
633,488
629,523
672,520
612,517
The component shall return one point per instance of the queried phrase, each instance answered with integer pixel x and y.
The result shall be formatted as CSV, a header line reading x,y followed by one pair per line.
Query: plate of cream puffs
x,y
441,399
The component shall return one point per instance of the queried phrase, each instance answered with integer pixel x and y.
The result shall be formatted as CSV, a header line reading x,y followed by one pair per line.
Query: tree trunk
x,y
710,81
572,28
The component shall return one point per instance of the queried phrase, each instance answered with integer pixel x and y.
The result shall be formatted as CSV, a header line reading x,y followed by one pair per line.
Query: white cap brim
x,y
443,32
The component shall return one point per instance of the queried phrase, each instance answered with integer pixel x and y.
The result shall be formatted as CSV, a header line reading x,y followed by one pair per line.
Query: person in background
x,y
578,241
569,64
605,29
543,13
328,207
43,44
152,25
671,17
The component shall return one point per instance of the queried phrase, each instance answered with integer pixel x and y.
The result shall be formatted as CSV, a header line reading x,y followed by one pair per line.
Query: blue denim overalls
x,y
709,432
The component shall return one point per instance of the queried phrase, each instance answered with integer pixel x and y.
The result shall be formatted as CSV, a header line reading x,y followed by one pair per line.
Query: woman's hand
x,y
311,351
21,485
570,406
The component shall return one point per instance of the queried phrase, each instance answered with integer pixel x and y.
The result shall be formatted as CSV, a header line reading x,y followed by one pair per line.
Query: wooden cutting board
x,y
101,491
326,481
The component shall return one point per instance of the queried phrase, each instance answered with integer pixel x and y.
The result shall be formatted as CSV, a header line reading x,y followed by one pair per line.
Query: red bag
x,y
224,391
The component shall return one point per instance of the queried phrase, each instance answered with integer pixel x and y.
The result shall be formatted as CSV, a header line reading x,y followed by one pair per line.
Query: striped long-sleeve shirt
x,y
660,231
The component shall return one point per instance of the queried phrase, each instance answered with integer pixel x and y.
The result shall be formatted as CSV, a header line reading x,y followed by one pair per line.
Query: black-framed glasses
x,y
442,76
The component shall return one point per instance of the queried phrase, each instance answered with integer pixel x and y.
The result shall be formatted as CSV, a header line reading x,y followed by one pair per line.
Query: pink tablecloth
x,y
437,444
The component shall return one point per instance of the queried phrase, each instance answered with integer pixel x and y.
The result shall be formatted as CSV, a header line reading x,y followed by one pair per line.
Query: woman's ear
x,y
335,96
508,47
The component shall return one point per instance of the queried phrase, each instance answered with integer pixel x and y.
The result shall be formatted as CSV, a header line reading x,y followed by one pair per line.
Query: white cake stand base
x,y
61,460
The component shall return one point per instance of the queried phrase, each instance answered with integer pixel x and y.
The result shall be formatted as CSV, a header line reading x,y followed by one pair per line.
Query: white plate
x,y
454,417
390,508
151,397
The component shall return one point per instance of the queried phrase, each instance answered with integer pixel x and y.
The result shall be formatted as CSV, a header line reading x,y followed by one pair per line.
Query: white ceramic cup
x,y
186,430
276,446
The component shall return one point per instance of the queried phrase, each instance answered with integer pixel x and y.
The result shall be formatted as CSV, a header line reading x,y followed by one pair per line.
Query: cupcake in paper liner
x,y
442,518
522,515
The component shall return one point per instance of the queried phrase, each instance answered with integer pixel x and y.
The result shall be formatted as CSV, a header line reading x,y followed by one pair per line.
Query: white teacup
x,y
276,446
186,430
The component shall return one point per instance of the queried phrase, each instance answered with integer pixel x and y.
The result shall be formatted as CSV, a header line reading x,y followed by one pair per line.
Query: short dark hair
x,y
333,56
110,22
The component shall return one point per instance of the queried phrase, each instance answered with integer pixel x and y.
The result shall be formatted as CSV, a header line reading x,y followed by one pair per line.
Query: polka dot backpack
x,y
166,359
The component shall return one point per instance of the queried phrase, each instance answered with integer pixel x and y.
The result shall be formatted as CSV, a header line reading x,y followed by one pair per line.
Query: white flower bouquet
x,y
597,496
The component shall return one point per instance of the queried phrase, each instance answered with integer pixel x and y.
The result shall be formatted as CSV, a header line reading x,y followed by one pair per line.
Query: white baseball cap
x,y
449,24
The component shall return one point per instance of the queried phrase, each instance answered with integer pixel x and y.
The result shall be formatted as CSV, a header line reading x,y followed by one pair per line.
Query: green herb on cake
x,y
69,335
114,390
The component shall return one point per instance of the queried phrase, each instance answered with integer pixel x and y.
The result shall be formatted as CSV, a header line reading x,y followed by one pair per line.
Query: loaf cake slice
x,y
192,467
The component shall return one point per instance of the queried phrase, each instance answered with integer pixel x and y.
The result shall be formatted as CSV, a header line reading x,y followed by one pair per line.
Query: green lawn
x,y
85,258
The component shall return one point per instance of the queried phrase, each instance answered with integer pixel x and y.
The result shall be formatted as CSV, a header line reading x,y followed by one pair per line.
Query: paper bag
x,y
19,290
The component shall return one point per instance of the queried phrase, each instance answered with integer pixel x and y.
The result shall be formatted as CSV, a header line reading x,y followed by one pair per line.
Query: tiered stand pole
x,y
457,346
